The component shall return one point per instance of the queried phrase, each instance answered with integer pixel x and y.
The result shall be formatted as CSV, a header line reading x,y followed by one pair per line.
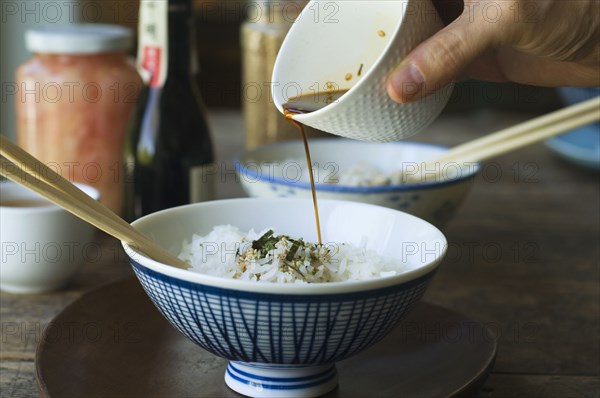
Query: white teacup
x,y
332,41
42,245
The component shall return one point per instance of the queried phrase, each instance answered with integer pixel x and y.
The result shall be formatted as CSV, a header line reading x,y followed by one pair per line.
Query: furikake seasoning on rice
x,y
268,257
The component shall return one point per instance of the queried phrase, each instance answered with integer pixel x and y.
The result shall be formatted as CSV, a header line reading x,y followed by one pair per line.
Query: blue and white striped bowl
x,y
435,201
283,340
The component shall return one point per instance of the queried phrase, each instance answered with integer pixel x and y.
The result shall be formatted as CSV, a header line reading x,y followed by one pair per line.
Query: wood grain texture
x,y
518,386
132,350
524,259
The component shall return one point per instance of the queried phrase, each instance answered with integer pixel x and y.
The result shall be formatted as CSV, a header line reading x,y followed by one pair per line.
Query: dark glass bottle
x,y
169,157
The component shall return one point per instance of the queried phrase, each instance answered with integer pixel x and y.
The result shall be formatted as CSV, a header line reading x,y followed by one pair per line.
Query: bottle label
x,y
153,51
202,183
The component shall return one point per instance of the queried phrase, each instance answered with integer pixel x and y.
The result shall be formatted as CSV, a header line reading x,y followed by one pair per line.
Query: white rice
x,y
227,252
360,174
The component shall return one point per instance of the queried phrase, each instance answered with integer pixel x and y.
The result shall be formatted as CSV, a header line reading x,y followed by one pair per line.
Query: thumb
x,y
439,60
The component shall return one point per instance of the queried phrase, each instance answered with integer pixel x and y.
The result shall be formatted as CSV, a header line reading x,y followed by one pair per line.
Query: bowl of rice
x,y
367,172
283,308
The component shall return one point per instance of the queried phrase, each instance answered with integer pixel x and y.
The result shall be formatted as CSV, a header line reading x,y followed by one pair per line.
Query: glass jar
x,y
261,37
75,97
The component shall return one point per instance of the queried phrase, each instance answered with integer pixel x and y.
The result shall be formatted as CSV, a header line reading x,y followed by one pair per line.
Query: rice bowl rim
x,y
323,288
241,167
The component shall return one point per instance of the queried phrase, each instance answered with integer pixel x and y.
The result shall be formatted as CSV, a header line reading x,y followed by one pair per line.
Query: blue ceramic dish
x,y
581,146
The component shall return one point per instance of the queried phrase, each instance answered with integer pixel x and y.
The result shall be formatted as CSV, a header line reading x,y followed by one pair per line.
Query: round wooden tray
x,y
112,342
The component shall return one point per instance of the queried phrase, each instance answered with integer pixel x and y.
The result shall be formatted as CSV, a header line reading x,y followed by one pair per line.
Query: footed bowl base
x,y
280,381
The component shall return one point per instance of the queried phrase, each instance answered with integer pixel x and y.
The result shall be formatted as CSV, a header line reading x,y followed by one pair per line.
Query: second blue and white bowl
x,y
267,172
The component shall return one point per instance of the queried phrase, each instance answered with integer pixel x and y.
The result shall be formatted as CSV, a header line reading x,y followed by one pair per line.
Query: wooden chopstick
x,y
512,138
90,214
569,113
503,147
17,155
69,197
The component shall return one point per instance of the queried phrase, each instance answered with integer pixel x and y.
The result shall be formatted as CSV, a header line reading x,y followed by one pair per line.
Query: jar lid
x,y
78,39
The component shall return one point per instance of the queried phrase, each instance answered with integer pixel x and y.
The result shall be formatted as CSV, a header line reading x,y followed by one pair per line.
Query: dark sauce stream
x,y
306,104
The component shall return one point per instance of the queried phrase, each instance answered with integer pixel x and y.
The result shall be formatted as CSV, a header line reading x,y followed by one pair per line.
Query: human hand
x,y
538,42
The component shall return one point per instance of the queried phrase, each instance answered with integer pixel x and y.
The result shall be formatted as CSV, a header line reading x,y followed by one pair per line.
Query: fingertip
x,y
405,84
438,61
394,94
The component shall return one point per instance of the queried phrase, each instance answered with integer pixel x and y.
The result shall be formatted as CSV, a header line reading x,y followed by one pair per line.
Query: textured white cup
x,y
43,247
333,38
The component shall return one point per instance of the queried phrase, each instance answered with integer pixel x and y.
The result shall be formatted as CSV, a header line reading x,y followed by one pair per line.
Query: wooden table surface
x,y
523,259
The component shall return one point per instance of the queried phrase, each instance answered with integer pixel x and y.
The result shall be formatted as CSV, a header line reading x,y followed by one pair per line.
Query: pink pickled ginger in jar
x,y
74,99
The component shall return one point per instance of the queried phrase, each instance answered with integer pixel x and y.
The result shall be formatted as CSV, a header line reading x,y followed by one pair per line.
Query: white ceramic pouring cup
x,y
331,41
